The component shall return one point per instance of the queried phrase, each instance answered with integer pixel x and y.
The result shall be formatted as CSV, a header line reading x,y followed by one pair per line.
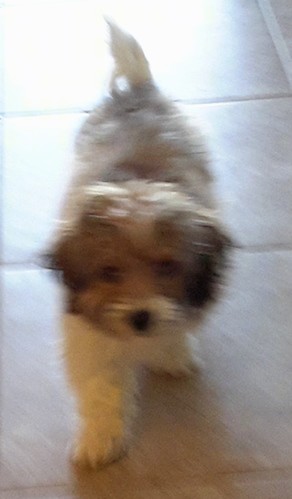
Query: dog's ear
x,y
67,259
208,259
76,255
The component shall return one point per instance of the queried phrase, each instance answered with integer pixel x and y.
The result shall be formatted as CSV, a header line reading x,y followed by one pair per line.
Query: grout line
x,y
234,99
28,265
277,37
45,112
254,471
66,488
265,248
195,102
24,265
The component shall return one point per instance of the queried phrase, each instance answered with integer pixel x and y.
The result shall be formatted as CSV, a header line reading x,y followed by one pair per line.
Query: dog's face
x,y
141,260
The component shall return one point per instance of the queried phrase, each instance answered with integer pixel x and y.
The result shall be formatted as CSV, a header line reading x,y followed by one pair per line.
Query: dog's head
x,y
141,259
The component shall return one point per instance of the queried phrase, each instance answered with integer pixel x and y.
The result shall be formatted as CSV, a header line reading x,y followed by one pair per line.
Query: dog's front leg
x,y
106,407
105,391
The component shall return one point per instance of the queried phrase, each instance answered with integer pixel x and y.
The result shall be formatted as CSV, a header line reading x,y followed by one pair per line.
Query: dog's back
x,y
138,133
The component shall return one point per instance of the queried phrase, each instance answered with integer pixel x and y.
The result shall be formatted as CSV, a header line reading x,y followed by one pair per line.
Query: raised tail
x,y
130,62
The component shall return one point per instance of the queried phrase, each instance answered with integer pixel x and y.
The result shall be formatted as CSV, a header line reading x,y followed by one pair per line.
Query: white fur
x,y
102,372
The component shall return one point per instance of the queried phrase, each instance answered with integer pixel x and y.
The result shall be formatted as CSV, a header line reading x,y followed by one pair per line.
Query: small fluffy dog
x,y
140,250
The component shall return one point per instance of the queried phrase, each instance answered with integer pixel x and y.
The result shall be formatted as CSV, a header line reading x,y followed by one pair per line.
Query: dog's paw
x,y
99,444
180,369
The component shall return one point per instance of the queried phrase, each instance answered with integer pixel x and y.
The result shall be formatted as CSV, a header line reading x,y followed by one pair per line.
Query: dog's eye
x,y
166,268
110,273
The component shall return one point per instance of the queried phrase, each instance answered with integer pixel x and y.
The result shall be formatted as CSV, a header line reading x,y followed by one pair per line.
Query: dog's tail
x,y
130,62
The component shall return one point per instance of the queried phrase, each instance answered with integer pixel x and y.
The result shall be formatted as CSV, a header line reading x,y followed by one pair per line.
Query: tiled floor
x,y
227,432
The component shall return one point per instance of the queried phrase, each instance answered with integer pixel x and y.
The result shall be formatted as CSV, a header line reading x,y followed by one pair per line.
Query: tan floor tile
x,y
265,485
197,489
204,60
36,166
35,419
251,147
199,492
234,416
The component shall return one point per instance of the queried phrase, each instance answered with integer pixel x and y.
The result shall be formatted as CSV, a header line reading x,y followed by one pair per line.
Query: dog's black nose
x,y
140,320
